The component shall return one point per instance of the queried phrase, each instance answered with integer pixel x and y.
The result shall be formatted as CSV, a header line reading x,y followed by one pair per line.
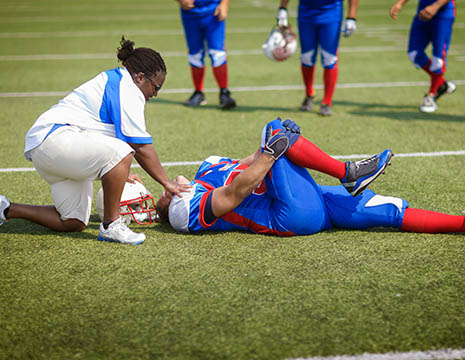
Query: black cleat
x,y
447,88
326,110
362,173
196,99
226,101
307,104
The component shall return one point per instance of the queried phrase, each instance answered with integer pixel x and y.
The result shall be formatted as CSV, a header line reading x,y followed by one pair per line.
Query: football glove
x,y
281,17
277,144
292,130
350,25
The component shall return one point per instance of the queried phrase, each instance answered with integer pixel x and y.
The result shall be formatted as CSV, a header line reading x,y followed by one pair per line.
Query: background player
x,y
431,24
204,21
319,24
269,193
94,133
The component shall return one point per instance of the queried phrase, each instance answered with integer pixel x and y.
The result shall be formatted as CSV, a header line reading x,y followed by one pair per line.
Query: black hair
x,y
140,59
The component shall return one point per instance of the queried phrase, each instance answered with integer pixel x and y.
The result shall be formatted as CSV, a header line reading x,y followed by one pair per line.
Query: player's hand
x,y
186,4
350,25
132,178
221,11
395,10
428,12
276,144
292,131
177,189
281,17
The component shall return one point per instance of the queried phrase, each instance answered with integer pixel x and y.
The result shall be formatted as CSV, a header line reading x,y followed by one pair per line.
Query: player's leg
x,y
215,35
426,221
194,35
329,35
355,176
420,36
442,32
365,211
297,204
308,48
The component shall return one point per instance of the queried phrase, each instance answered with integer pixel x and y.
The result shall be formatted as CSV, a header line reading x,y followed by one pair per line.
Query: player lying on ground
x,y
271,192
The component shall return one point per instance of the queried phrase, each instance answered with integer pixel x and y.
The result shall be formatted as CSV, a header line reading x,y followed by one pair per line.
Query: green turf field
x,y
232,295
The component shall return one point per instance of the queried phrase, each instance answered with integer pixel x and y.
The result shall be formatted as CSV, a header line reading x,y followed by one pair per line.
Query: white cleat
x,y
118,232
429,104
4,204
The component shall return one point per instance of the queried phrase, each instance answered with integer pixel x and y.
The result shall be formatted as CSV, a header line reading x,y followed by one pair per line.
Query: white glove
x,y
281,17
349,27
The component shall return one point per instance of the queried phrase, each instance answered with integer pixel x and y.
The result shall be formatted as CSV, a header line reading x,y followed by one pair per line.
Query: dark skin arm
x,y
148,159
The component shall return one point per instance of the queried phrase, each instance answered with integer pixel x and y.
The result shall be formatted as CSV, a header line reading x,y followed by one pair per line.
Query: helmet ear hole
x,y
280,44
137,204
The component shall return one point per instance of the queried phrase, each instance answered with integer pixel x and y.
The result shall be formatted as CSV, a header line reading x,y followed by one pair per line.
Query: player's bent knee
x,y
73,225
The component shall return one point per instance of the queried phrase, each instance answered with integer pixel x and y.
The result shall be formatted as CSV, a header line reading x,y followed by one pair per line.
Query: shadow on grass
x,y
19,226
238,109
407,113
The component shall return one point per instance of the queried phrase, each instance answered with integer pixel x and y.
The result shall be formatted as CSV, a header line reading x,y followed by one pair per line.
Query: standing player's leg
x,y
442,32
215,35
329,35
355,176
421,34
308,48
194,34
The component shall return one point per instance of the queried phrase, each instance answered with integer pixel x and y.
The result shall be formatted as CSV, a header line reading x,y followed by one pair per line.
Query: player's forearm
x,y
401,3
148,159
249,179
283,3
352,9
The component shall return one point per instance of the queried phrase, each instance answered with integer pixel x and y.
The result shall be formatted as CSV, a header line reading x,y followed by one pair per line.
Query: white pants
x,y
70,159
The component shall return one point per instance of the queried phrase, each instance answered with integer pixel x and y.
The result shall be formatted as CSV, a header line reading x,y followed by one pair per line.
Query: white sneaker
x,y
429,104
4,203
118,231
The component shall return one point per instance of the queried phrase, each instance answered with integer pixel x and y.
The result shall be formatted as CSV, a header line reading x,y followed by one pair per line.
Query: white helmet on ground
x,y
137,204
280,44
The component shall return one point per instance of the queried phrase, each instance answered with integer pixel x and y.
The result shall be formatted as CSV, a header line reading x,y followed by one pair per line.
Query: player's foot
x,y
226,101
307,104
447,88
362,173
196,99
4,204
118,232
326,110
429,104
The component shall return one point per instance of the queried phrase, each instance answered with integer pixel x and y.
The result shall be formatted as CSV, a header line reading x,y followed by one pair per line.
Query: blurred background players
x,y
432,24
319,24
204,21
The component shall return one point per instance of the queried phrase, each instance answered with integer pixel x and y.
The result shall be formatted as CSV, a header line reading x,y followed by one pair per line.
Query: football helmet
x,y
137,204
280,44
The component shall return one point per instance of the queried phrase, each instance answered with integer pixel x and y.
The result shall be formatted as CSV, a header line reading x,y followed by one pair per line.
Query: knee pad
x,y
308,58
196,60
329,60
386,200
218,57
412,55
436,64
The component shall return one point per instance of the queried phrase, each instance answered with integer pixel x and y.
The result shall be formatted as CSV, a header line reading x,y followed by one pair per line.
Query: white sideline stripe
x,y
353,156
443,354
244,88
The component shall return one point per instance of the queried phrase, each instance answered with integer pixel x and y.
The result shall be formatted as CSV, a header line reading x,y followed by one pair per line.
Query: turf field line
x,y
442,354
243,88
340,157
